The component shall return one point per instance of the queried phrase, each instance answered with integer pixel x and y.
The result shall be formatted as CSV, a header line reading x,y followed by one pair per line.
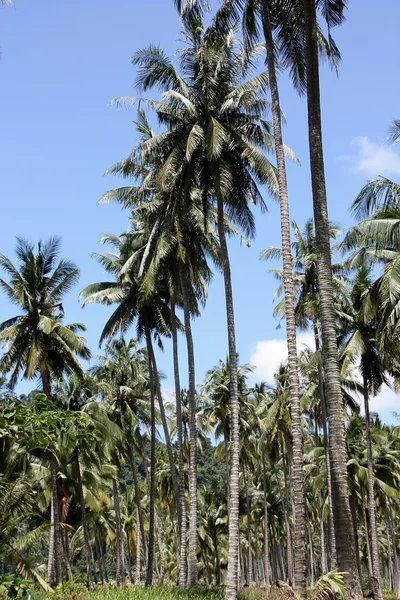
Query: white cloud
x,y
269,354
373,159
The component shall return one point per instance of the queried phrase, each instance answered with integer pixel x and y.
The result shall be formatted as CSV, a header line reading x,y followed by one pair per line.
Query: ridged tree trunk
x,y
88,556
340,502
50,563
288,282
174,476
267,571
233,542
182,577
138,549
56,522
192,559
139,511
152,485
119,546
367,540
248,514
331,528
376,577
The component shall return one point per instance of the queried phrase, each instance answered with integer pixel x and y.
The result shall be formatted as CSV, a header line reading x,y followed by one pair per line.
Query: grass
x,y
79,592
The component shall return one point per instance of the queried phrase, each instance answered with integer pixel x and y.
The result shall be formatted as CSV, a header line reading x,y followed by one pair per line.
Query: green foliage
x,y
12,586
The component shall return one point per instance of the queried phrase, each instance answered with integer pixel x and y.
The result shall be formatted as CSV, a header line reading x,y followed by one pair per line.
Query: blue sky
x,y
62,62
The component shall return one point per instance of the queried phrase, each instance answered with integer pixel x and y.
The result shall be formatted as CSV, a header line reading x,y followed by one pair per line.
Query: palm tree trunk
x,y
367,541
285,504
192,561
233,542
396,562
89,565
341,510
324,566
56,521
217,561
138,549
54,566
288,282
152,490
139,511
376,578
182,578
67,557
355,530
50,564
120,573
160,551
248,514
321,391
267,572
156,379
100,556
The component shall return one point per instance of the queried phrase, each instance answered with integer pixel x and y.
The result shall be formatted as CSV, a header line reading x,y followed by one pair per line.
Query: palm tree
x,y
152,316
38,344
215,143
361,328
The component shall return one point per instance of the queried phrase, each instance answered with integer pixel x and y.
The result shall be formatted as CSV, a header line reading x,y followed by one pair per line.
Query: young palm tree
x,y
38,344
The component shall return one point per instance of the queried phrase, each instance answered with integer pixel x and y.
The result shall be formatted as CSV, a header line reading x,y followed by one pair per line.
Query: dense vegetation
x,y
104,481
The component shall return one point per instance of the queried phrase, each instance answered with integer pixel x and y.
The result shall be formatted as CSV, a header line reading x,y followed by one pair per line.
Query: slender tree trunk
x,y
174,476
67,557
139,511
324,566
56,521
138,549
355,530
54,566
233,542
192,562
331,528
376,581
89,566
100,559
267,572
248,514
341,510
120,573
152,488
160,550
396,562
288,282
181,466
217,561
285,504
50,564
367,542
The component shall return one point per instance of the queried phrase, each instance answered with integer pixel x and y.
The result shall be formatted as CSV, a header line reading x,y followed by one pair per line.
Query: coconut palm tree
x,y
214,143
38,343
152,316
360,321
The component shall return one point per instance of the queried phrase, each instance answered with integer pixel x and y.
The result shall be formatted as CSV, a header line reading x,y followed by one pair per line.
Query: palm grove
x,y
98,474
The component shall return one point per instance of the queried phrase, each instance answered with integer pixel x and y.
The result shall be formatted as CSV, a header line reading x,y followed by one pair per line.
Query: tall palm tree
x,y
152,315
361,328
215,143
38,343
334,15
